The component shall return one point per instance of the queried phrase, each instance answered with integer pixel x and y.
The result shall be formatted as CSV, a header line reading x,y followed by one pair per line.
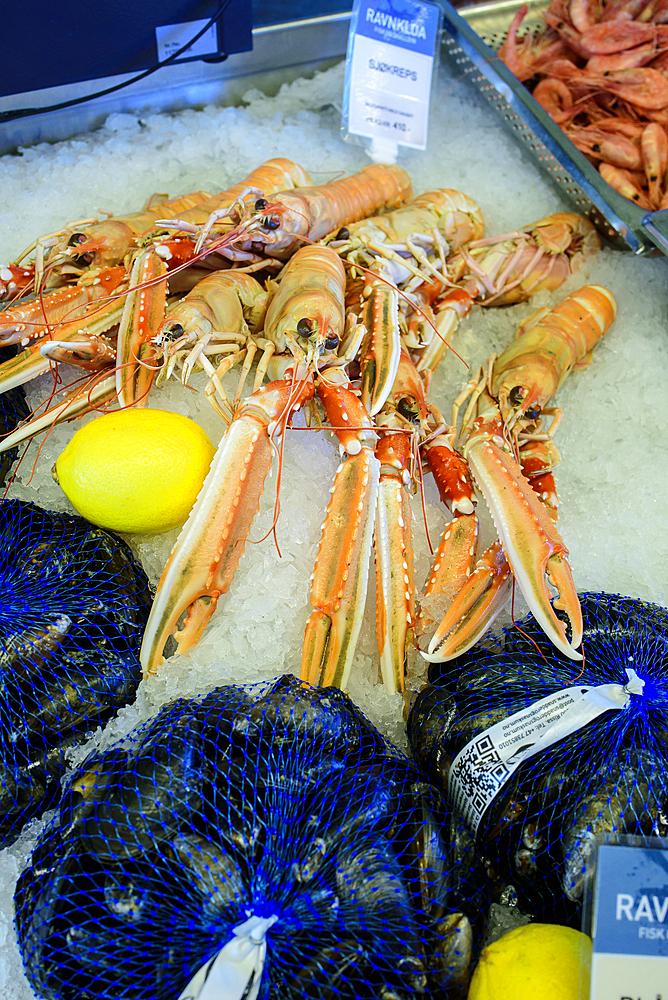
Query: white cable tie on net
x,y
236,967
635,684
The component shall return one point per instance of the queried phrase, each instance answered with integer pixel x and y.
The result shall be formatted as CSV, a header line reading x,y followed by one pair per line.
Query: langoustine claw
x,y
207,552
339,582
503,419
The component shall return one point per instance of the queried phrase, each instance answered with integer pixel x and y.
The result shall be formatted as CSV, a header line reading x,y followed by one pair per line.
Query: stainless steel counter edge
x,y
280,53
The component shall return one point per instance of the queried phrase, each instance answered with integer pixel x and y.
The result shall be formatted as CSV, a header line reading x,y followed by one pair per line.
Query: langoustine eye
x,y
79,258
306,327
516,395
271,222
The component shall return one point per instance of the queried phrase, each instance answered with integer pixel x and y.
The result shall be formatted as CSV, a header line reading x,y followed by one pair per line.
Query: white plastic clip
x,y
237,965
383,150
635,684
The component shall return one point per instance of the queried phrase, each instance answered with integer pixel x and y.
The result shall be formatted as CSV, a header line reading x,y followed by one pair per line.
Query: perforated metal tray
x,y
471,38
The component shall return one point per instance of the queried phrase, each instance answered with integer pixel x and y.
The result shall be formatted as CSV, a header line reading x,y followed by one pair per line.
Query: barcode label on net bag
x,y
486,763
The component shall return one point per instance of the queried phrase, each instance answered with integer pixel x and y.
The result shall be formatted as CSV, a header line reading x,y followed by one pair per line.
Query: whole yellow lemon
x,y
135,470
534,962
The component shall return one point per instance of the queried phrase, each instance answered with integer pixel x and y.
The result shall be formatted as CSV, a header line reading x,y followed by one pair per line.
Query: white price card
x,y
389,70
630,930
169,38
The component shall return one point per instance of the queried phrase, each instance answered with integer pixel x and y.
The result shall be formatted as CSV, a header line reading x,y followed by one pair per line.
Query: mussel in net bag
x,y
263,842
73,606
543,757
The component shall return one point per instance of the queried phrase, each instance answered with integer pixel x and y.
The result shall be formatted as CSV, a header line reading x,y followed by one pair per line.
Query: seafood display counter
x,y
614,454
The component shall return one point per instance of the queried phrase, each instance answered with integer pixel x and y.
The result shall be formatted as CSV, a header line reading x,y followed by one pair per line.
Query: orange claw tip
x,y
473,610
206,554
340,576
211,542
557,634
535,592
533,546
155,639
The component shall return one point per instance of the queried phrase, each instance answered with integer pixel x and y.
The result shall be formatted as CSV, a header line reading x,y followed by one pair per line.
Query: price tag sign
x,y
630,931
389,70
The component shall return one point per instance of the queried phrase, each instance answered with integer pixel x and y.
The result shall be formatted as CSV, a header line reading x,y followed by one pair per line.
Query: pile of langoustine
x,y
599,68
353,309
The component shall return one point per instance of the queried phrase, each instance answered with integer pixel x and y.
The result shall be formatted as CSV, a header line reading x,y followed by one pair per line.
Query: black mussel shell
x,y
73,606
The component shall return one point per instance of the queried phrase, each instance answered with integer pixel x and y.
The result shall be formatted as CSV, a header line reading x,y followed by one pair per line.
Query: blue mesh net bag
x,y
13,409
259,843
540,761
73,606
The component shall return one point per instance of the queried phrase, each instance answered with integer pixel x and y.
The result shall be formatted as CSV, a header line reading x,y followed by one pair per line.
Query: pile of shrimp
x,y
600,70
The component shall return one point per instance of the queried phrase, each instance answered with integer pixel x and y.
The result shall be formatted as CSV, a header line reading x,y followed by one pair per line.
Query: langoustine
x,y
504,418
72,324
63,256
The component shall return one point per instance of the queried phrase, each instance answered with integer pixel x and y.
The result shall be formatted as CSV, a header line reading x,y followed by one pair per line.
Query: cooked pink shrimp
x,y
584,13
630,59
526,56
624,182
654,149
601,145
554,95
616,36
